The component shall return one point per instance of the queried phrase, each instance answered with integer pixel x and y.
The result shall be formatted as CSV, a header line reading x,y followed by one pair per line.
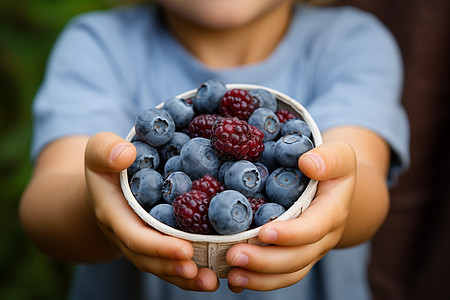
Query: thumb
x,y
108,152
330,160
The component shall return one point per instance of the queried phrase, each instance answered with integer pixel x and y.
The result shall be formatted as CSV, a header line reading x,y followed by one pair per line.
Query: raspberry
x,y
255,203
256,132
284,115
255,144
201,125
191,212
237,103
209,185
234,139
230,137
256,148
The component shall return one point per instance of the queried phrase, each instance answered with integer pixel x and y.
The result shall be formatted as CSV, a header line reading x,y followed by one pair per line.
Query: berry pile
x,y
220,162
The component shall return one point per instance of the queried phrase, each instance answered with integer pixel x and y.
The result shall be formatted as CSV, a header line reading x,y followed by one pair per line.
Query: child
x,y
340,63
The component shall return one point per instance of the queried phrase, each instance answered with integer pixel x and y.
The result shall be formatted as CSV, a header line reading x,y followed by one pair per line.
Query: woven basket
x,y
210,250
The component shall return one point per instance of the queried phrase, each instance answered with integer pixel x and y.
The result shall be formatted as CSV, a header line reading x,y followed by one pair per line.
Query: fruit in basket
x,y
209,185
163,212
234,139
173,146
181,111
191,212
230,212
268,212
290,147
198,158
284,115
268,156
208,96
264,98
255,202
154,126
267,121
263,174
173,164
237,103
146,187
243,176
201,125
175,184
285,185
296,126
146,157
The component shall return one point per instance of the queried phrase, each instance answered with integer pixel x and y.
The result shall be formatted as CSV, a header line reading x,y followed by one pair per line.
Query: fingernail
x,y
270,236
316,160
117,150
240,260
240,281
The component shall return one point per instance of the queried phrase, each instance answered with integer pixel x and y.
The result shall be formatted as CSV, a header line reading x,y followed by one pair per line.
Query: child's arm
x,y
351,203
74,210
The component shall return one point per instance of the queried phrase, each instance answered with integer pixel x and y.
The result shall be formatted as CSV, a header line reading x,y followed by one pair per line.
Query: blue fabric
x,y
340,63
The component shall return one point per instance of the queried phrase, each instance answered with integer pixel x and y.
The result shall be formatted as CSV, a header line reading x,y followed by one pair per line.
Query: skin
x,y
87,219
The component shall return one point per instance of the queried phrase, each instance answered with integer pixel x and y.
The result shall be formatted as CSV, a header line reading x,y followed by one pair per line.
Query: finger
x,y
331,160
108,152
205,281
326,213
133,234
161,266
240,279
276,259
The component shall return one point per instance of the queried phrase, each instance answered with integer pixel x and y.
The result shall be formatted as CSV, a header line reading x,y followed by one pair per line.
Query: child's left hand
x,y
296,245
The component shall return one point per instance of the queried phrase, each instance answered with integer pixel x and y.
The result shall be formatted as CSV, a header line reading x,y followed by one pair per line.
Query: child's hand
x,y
299,243
149,250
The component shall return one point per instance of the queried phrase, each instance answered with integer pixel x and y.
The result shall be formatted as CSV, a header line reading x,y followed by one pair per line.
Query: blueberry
x,y
164,213
243,176
146,187
199,158
285,185
223,169
267,121
230,212
268,156
264,174
172,165
261,195
146,157
264,98
290,147
296,126
173,147
154,126
175,184
181,111
208,96
268,212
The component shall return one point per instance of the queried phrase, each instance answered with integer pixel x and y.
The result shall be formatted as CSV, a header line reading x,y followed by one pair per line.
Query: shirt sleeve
x,y
359,82
84,89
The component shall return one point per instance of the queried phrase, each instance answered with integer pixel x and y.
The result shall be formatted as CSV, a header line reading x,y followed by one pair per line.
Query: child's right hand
x,y
150,251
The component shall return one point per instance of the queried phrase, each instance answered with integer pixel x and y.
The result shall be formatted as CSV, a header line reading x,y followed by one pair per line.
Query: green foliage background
x,y
28,30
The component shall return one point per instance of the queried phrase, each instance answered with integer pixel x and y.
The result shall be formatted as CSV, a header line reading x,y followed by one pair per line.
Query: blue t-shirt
x,y
340,63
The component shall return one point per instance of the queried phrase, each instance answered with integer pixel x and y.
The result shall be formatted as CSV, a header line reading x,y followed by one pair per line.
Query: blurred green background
x,y
28,30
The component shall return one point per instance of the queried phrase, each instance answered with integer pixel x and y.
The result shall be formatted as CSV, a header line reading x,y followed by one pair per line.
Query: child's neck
x,y
232,47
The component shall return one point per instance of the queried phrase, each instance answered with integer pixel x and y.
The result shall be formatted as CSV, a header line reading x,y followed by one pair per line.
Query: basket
x,y
210,250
